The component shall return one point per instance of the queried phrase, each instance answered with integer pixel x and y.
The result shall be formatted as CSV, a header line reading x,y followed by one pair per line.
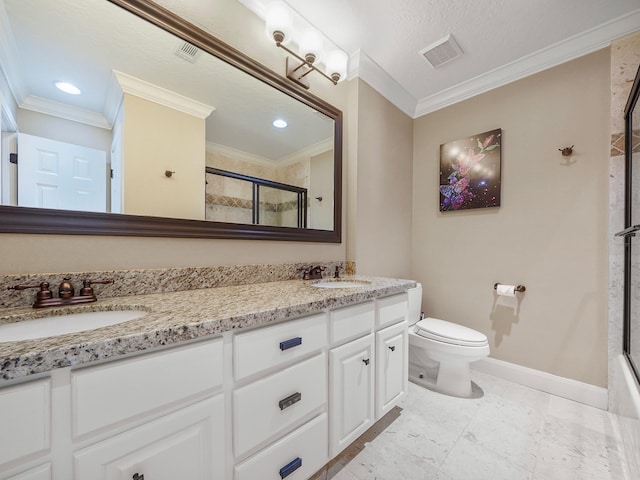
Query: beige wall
x,y
382,220
321,185
549,234
55,128
53,253
155,139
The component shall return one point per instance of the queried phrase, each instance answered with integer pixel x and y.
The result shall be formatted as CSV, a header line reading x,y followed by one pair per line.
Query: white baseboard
x,y
546,382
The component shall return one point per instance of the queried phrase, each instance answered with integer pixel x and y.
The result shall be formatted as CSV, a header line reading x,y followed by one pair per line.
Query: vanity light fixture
x,y
280,123
67,87
310,46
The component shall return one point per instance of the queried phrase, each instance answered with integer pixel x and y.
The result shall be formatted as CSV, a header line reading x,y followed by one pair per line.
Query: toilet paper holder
x,y
519,288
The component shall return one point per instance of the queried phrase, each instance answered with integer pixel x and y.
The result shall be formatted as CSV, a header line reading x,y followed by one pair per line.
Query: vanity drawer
x,y
351,322
302,453
26,420
267,347
120,390
274,403
391,310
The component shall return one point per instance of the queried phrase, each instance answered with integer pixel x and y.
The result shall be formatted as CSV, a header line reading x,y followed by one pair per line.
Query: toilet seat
x,y
447,332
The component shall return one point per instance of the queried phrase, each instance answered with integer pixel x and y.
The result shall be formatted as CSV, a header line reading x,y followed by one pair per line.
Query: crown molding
x,y
307,152
239,154
361,65
68,112
162,96
577,46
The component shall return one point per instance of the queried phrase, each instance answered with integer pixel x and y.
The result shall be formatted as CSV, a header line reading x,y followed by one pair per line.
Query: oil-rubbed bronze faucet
x,y
312,273
315,273
66,293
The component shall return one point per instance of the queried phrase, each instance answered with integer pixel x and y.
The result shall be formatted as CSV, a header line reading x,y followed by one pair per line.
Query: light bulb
x,y
310,46
279,22
337,65
67,87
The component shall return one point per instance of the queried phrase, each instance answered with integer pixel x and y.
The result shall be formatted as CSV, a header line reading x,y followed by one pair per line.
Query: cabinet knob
x,y
365,361
137,476
392,348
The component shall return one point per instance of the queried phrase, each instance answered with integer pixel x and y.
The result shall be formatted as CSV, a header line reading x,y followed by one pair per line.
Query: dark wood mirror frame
x,y
65,222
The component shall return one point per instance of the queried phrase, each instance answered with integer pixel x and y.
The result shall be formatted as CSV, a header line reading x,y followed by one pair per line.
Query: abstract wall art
x,y
470,172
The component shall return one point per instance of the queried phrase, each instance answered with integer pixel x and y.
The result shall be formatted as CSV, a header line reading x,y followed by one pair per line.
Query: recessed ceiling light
x,y
279,123
68,88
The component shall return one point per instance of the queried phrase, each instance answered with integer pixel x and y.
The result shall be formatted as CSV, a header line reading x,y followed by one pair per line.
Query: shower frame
x,y
630,232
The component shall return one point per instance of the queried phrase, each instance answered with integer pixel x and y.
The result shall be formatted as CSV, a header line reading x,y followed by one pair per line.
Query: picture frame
x,y
470,172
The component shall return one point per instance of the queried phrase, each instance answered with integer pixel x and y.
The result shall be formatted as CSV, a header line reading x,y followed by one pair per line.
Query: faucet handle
x,y
306,271
43,294
87,290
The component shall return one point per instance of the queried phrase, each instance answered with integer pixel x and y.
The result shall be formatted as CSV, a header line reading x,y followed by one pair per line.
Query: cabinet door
x,y
188,443
25,421
43,472
391,367
352,398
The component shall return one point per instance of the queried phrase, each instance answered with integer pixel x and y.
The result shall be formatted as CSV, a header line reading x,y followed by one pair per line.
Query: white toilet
x,y
440,352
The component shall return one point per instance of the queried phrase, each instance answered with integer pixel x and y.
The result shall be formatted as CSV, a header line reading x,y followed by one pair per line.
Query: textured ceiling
x,y
509,37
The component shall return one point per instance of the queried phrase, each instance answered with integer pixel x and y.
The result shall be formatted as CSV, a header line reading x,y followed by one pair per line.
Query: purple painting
x,y
470,172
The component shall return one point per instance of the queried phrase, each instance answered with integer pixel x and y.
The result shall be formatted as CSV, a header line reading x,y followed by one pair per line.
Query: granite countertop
x,y
176,317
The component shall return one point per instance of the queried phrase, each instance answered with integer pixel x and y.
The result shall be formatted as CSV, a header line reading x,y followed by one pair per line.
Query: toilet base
x,y
454,378
428,378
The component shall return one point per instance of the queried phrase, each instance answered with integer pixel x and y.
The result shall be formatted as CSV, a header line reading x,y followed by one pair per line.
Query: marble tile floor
x,y
511,432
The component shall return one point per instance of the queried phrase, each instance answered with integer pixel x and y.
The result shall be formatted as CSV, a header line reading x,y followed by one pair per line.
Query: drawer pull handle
x,y
392,348
293,342
290,467
290,400
365,361
137,476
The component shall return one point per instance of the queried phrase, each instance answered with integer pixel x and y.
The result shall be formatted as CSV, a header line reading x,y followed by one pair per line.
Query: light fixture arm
x,y
278,37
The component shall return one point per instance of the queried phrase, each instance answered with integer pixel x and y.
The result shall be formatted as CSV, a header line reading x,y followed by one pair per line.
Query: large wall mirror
x,y
174,133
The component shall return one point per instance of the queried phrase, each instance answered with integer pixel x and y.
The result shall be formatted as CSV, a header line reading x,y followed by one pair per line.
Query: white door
x,y
60,175
352,375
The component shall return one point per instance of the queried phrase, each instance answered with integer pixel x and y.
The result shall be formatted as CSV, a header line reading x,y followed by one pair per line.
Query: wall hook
x,y
168,173
319,199
566,151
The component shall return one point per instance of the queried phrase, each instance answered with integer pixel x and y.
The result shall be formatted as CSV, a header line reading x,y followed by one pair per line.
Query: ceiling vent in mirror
x,y
443,51
188,52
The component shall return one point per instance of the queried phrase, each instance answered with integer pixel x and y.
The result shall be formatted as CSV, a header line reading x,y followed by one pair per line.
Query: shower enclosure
x,y
631,232
237,198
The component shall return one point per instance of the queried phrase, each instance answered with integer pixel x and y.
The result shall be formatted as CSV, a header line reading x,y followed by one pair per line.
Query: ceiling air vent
x,y
188,52
443,51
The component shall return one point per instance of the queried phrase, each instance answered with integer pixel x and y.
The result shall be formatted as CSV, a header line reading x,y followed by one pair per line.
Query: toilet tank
x,y
415,303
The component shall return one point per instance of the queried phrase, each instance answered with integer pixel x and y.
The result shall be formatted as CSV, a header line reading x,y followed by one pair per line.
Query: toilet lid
x,y
448,332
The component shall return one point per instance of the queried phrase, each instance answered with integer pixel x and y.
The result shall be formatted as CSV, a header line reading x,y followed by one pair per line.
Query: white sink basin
x,y
340,284
64,324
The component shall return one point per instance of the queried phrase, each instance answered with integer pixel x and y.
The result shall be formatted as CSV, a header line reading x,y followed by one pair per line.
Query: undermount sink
x,y
341,283
64,324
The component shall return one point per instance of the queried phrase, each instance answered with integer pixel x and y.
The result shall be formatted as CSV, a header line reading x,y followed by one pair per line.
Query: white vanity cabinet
x,y
183,442
368,366
352,374
25,430
279,401
268,403
392,354
41,472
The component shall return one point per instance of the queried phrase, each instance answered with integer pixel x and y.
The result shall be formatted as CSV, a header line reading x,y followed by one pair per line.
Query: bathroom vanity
x,y
259,381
